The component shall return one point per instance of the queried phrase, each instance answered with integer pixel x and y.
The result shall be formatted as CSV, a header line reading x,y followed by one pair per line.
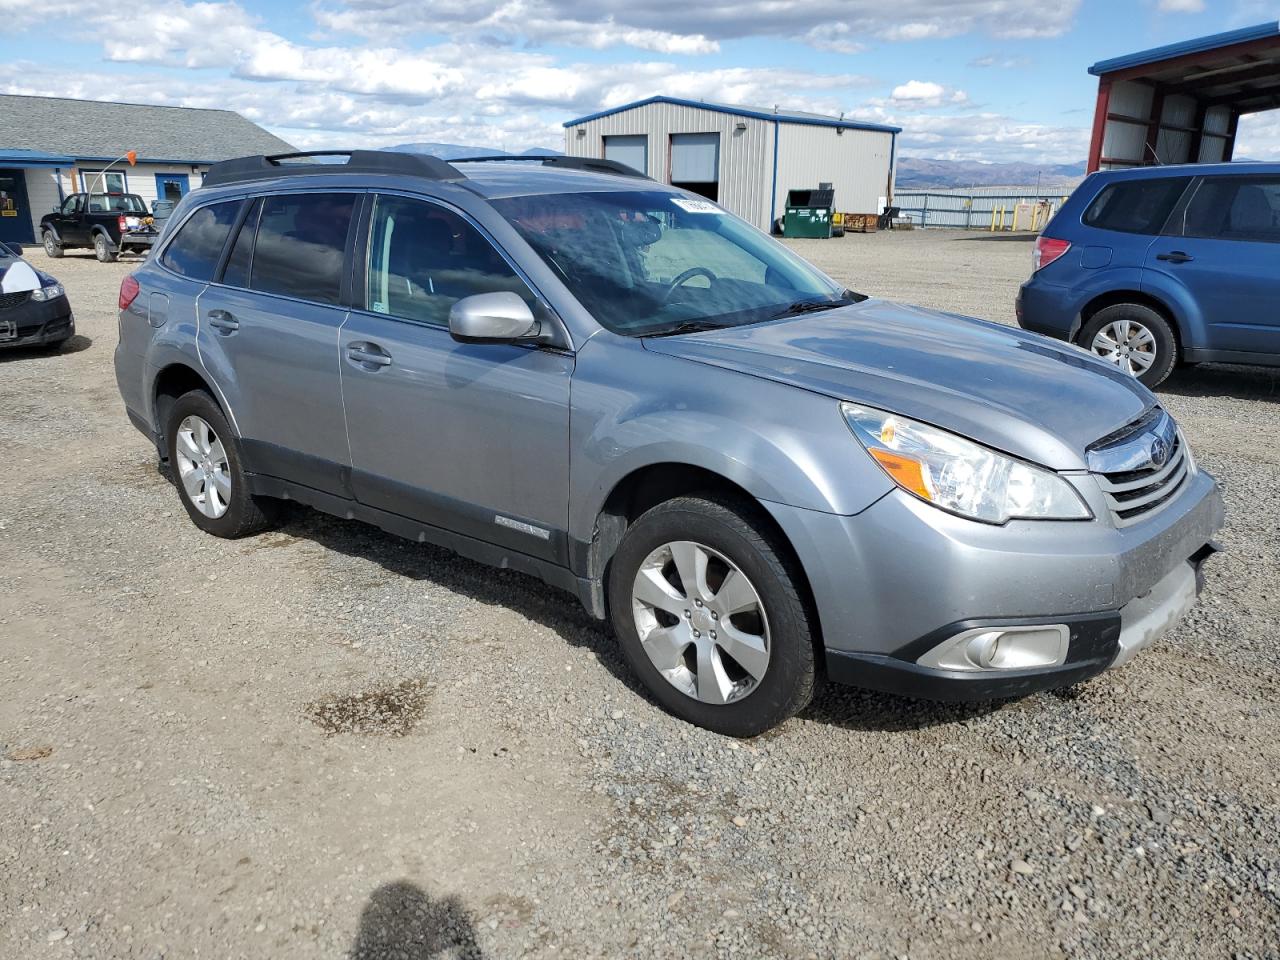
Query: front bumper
x,y
34,324
895,581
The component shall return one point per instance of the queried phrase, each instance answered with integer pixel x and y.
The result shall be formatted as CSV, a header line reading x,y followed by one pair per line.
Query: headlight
x,y
959,475
51,292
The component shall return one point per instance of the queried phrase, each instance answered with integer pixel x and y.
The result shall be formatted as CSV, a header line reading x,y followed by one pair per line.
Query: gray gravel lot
x,y
325,742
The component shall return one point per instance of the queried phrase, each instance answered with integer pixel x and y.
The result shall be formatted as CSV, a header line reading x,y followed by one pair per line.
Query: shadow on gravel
x,y
526,595
1219,380
401,922
999,238
853,709
75,344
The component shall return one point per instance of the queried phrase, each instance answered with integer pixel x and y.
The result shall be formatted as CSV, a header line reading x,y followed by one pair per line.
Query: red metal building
x,y
1181,103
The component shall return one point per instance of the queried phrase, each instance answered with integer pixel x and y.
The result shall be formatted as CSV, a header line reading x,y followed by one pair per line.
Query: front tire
x,y
52,247
204,456
1134,338
709,612
102,249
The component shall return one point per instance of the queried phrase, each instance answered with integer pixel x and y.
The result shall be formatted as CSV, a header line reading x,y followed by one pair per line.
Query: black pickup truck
x,y
110,223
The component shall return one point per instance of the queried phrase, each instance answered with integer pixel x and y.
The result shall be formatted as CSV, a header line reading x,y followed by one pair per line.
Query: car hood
x,y
1014,391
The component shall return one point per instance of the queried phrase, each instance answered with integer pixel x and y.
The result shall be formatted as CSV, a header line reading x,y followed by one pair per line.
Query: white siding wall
x,y
746,156
42,194
857,162
854,162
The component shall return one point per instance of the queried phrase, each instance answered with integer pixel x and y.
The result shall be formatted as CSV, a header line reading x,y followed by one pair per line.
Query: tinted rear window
x,y
1234,208
300,245
1135,206
194,252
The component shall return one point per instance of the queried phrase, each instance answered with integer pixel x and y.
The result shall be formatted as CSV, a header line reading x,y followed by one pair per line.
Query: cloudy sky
x,y
966,79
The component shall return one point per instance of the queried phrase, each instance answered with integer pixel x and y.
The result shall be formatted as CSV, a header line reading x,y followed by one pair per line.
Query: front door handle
x,y
222,320
1174,256
368,353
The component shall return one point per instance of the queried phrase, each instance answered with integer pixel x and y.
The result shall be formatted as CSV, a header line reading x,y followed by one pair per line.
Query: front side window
x,y
1136,206
651,262
301,244
196,249
424,258
1234,208
72,204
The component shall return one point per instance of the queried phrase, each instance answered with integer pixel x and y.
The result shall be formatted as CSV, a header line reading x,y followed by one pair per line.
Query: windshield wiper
x,y
812,306
684,326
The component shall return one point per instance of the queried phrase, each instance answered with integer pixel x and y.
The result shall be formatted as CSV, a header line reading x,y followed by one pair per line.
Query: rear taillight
x,y
123,222
1047,250
128,291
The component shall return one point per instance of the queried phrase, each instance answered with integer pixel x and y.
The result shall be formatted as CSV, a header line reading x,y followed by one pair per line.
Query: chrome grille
x,y
1141,470
13,299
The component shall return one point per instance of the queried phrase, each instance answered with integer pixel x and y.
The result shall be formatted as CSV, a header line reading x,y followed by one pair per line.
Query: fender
x,y
1099,283
49,227
1187,316
170,351
780,443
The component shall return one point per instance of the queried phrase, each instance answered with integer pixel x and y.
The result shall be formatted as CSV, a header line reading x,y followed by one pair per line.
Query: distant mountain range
x,y
913,173
916,173
457,151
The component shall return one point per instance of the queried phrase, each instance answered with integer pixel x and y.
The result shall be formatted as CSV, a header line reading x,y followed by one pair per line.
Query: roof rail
x,y
358,161
592,164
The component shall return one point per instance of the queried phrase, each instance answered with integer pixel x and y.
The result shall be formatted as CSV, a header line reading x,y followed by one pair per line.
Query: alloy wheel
x,y
203,467
701,621
1128,344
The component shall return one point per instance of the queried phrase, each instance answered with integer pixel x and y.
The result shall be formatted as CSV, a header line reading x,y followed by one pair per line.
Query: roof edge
x,y
738,112
1215,41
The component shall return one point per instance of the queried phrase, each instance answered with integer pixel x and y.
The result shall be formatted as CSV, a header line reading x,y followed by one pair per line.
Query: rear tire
x,y
102,249
204,456
52,247
736,661
1134,338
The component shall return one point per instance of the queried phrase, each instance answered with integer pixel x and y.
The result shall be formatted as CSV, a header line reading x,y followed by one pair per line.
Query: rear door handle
x,y
1174,256
222,320
368,353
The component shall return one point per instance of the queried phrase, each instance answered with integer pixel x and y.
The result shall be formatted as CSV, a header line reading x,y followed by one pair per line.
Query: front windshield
x,y
652,262
116,203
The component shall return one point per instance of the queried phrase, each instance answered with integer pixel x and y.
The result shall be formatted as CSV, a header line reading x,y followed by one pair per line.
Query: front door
x,y
469,437
172,186
268,332
15,213
1223,247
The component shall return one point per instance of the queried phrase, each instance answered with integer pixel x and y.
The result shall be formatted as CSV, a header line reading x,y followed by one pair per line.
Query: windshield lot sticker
x,y
19,278
696,206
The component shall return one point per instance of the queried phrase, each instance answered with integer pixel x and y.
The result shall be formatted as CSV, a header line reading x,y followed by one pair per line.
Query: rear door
x,y
268,333
470,437
1223,246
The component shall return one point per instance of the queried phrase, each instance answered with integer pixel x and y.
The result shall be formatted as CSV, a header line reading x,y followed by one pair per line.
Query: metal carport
x,y
1181,103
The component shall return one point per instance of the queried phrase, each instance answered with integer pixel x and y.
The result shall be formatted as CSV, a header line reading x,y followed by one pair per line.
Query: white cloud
x,y
664,25
1181,6
922,94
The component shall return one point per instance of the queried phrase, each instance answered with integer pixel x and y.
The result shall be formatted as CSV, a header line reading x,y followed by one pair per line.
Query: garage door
x,y
631,150
695,162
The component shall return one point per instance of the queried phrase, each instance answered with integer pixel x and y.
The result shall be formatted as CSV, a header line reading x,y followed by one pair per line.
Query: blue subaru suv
x,y
1156,266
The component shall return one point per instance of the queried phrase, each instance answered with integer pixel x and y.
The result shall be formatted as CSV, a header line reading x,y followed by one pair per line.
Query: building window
x,y
95,181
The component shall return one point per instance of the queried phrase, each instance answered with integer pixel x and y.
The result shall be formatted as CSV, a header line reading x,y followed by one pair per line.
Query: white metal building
x,y
744,158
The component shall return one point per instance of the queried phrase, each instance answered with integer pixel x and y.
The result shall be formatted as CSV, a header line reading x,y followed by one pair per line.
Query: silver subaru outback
x,y
761,479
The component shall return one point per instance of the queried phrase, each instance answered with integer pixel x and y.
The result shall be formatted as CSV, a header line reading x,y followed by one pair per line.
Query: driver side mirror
x,y
500,317
16,248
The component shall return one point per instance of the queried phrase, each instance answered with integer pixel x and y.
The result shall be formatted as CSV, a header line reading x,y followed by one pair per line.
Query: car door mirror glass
x,y
499,317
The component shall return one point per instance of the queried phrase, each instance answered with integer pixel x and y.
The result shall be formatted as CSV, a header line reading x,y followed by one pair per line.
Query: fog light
x,y
1001,648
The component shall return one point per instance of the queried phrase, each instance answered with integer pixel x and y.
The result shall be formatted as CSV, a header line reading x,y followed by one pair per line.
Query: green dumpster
x,y
808,214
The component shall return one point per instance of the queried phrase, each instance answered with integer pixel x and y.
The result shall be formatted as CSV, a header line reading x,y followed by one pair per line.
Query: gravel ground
x,y
326,742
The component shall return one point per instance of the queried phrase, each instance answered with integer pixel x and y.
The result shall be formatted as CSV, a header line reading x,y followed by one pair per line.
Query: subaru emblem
x,y
1159,452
